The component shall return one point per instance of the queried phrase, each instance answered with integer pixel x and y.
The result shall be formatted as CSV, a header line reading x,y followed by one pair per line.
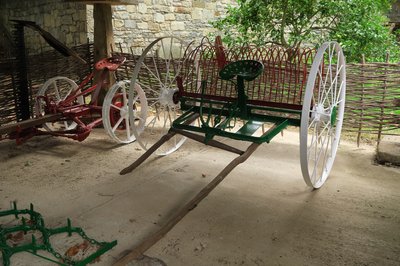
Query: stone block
x,y
118,23
207,15
130,24
131,9
48,20
143,26
182,10
67,20
177,25
142,8
147,17
169,17
197,13
165,27
154,26
199,3
159,17
211,6
389,150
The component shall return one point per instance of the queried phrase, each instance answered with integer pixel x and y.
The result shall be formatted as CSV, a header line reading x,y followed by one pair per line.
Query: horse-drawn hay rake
x,y
243,93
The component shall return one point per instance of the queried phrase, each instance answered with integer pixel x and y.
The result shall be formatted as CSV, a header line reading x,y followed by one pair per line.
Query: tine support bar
x,y
211,142
152,239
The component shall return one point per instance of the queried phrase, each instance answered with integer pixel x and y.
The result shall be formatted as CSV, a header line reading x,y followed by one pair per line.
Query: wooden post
x,y
103,31
382,114
103,40
361,100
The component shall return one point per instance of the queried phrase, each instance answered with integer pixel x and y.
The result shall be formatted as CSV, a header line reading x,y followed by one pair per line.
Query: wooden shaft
x,y
151,240
147,154
10,128
155,146
211,142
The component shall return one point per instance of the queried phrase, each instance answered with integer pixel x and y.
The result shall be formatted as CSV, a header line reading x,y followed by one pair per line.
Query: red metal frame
x,y
70,110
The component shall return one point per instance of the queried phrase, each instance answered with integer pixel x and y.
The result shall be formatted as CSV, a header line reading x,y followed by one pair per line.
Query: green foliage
x,y
359,25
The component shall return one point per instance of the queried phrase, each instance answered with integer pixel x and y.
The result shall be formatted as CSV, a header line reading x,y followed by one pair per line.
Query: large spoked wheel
x,y
322,114
156,72
56,89
115,112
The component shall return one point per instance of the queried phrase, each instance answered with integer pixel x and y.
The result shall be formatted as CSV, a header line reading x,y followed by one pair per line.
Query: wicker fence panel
x,y
40,68
50,64
373,99
7,102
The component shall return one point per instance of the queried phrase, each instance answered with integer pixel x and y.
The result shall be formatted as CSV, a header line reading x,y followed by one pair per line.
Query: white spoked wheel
x,y
322,114
56,89
156,72
115,112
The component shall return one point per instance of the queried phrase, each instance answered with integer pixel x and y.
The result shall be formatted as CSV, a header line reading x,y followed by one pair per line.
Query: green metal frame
x,y
36,223
225,113
253,122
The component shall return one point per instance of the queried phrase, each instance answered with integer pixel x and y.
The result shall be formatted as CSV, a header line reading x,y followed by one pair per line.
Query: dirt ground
x,y
261,214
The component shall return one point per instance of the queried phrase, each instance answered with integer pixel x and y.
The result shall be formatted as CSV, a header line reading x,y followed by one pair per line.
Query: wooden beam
x,y
10,128
103,40
103,31
108,2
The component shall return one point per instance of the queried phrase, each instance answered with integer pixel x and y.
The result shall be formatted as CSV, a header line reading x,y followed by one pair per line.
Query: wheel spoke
x,y
117,124
147,87
115,107
158,78
128,128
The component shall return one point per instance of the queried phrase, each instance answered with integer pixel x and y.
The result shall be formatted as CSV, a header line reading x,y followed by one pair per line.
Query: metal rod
x,y
151,240
211,142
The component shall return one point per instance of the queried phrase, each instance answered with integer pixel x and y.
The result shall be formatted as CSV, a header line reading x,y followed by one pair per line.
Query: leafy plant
x,y
359,25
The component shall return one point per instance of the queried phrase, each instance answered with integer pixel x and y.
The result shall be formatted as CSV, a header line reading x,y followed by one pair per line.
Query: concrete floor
x,y
261,214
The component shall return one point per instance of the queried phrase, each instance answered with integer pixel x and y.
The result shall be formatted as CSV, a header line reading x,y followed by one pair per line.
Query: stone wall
x,y
135,26
66,21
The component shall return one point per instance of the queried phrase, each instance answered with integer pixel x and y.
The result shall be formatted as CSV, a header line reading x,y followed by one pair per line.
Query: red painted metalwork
x,y
86,116
281,84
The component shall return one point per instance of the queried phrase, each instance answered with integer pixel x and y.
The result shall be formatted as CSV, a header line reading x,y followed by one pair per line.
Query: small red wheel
x,y
115,115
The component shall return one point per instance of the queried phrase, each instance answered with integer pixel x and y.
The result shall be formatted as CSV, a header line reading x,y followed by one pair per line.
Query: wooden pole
x,y
103,39
361,100
155,146
103,31
147,154
151,240
382,114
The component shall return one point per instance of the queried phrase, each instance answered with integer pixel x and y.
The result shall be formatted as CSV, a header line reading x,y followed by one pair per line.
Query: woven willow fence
x,y
372,99
40,68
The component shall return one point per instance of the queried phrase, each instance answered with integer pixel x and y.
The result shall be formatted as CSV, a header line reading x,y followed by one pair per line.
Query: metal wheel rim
x,y
139,112
68,125
323,115
164,111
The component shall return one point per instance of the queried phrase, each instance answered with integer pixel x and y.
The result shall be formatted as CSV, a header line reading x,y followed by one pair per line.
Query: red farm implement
x,y
66,109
